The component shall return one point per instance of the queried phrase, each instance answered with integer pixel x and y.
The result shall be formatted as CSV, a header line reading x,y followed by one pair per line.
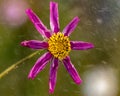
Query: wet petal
x,y
35,44
72,71
81,45
42,29
40,65
53,75
71,26
54,17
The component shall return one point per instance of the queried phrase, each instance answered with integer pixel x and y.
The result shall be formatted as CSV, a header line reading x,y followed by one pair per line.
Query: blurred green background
x,y
99,68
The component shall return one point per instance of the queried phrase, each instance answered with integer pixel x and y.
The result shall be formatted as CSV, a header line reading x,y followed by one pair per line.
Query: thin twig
x,y
13,66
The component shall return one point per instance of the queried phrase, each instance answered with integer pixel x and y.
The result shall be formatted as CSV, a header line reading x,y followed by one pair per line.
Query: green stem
x,y
13,66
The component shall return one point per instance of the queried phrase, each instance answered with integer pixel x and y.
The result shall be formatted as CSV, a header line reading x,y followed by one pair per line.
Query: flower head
x,y
57,45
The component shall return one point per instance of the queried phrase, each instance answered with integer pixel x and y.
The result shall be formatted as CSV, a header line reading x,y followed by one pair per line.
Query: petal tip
x,y
51,91
24,43
91,46
30,77
77,18
28,10
78,82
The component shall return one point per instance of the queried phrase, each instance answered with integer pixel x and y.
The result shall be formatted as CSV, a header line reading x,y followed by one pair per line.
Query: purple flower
x,y
57,44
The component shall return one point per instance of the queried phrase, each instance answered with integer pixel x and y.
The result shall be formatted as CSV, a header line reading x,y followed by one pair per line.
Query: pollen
x,y
59,45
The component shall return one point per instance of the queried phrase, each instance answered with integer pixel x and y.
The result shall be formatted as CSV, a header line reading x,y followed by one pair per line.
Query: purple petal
x,y
40,65
80,45
54,17
72,71
42,29
71,26
35,44
53,75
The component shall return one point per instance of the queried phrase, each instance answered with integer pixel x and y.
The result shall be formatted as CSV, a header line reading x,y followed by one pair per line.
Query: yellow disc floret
x,y
59,45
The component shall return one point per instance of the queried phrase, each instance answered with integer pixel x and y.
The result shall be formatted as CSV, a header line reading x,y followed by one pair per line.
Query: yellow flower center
x,y
59,45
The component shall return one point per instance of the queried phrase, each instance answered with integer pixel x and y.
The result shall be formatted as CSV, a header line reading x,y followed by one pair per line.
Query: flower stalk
x,y
15,65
